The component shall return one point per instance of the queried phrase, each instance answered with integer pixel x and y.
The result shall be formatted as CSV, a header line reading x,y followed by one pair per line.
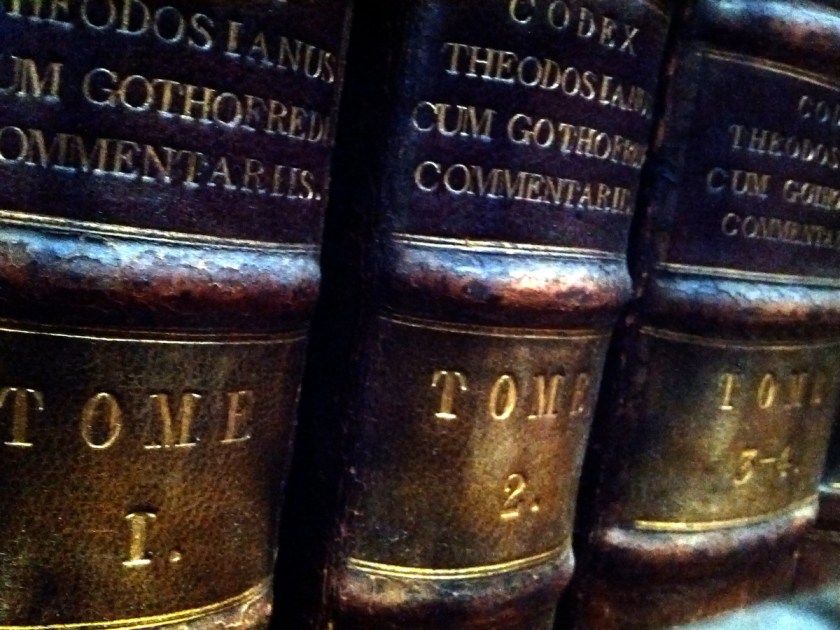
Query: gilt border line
x,y
422,573
154,621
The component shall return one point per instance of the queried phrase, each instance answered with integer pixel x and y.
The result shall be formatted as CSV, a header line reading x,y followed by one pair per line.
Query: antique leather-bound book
x,y
493,149
163,169
723,380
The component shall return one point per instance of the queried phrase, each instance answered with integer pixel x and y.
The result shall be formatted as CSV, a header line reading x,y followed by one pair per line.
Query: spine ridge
x,y
766,306
519,287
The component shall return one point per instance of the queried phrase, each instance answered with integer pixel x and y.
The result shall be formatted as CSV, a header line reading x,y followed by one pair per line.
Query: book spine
x,y
512,137
163,171
714,435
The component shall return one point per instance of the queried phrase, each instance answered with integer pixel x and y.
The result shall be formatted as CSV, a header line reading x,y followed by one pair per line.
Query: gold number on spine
x,y
752,460
514,489
784,465
746,466
515,498
138,523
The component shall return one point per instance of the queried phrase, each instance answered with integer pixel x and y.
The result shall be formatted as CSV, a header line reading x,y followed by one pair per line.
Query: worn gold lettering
x,y
170,437
727,389
752,462
819,111
780,146
20,397
138,523
193,103
240,412
812,195
452,382
522,11
767,389
503,397
580,394
454,120
545,396
783,230
788,389
746,466
515,486
796,385
502,66
57,11
585,24
498,183
575,140
740,183
101,421
24,78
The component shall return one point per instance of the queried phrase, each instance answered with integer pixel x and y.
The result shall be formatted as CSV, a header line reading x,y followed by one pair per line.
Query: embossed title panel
x,y
211,118
545,126
139,474
759,188
758,416
483,443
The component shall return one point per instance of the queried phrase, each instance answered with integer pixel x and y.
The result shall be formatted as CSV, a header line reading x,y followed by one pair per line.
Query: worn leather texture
x,y
493,152
163,175
711,435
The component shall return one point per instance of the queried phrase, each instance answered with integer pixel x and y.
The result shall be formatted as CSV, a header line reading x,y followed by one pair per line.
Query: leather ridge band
x,y
243,601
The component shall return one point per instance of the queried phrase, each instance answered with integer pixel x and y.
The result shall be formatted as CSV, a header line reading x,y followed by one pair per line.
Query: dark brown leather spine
x,y
512,136
713,436
163,171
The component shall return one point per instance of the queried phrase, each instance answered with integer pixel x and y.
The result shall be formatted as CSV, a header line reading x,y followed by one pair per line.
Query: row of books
x,y
496,411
